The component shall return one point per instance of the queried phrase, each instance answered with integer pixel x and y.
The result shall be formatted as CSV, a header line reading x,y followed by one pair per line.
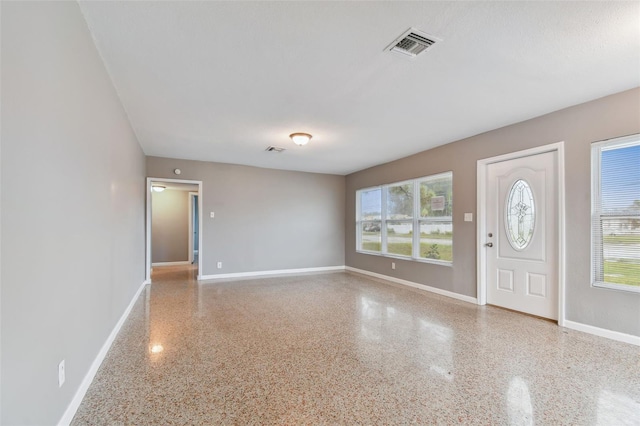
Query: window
x,y
615,230
399,219
393,220
370,219
436,211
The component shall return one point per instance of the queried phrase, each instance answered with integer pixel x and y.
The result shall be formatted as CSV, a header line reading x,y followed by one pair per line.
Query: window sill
x,y
621,287
410,259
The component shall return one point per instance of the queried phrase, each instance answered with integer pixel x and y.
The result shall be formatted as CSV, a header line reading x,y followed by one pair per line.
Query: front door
x,y
522,234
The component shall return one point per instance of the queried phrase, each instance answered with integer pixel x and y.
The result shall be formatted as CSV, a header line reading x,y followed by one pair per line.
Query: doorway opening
x,y
520,231
173,225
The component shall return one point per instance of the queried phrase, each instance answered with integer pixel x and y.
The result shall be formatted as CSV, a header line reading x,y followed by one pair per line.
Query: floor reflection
x,y
617,409
426,345
341,348
519,405
169,323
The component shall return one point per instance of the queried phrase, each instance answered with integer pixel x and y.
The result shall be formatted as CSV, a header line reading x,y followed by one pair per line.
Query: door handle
x,y
489,245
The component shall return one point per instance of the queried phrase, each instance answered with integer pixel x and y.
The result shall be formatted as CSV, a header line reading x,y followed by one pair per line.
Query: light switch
x,y
468,217
212,215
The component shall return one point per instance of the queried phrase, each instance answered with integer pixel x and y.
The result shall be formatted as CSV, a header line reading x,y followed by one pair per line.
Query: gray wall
x,y
170,226
264,219
72,208
578,126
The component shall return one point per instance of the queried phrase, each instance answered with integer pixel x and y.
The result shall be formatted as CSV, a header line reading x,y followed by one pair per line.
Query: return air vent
x,y
274,149
411,43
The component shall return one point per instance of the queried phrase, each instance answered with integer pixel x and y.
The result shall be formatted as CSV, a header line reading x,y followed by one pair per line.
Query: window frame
x,y
416,220
387,220
360,222
597,213
432,219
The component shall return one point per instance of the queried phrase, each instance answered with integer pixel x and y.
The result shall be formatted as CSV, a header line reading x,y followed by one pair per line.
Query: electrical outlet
x,y
61,375
219,265
212,215
393,265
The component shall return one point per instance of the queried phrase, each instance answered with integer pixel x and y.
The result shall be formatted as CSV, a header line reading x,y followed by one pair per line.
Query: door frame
x,y
481,252
191,221
150,181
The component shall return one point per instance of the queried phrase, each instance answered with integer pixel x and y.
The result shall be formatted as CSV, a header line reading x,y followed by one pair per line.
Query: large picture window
x,y
615,230
410,219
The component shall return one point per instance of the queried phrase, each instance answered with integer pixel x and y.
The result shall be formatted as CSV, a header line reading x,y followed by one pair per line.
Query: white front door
x,y
521,240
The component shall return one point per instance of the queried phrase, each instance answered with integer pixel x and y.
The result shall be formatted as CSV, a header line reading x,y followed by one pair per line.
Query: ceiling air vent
x,y
274,149
411,43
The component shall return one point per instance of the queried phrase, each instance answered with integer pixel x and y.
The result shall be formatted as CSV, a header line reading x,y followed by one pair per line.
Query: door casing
x,y
481,254
191,223
151,181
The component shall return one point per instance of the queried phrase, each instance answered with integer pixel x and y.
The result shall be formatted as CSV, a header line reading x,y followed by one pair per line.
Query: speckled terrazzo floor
x,y
341,348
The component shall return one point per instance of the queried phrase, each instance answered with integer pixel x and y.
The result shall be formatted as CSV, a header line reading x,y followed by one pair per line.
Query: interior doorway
x,y
179,196
520,232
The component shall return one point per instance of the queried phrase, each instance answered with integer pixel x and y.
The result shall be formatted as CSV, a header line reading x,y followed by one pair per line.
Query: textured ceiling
x,y
220,81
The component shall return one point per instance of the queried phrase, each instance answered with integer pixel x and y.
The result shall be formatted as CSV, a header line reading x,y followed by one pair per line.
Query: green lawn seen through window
x,y
622,272
622,269
427,250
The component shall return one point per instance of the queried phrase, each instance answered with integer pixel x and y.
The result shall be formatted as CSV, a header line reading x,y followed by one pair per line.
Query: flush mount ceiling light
x,y
158,188
300,138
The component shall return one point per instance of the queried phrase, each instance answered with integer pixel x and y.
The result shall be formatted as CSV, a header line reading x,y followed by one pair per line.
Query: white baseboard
x,y
88,378
267,273
603,332
182,262
439,291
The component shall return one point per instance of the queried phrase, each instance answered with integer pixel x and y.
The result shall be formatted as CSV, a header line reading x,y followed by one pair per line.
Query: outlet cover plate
x,y
61,374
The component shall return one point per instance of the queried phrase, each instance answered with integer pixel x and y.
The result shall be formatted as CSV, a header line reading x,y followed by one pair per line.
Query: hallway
x,y
341,348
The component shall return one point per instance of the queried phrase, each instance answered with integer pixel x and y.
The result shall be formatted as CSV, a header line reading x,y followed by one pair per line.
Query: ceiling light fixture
x,y
158,188
300,138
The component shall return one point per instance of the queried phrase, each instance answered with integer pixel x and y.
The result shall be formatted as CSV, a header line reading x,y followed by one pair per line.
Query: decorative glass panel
x,y
521,215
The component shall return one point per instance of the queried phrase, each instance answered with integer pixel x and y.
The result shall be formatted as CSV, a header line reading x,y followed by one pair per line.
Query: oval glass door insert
x,y
521,215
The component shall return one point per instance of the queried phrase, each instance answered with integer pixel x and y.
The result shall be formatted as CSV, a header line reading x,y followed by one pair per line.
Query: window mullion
x,y
383,220
416,219
358,222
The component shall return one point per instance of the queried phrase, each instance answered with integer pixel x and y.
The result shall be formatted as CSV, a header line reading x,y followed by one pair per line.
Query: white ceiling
x,y
220,81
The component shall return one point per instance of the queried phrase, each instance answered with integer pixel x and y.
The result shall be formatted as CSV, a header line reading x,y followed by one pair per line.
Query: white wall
x,y
72,208
170,226
265,219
